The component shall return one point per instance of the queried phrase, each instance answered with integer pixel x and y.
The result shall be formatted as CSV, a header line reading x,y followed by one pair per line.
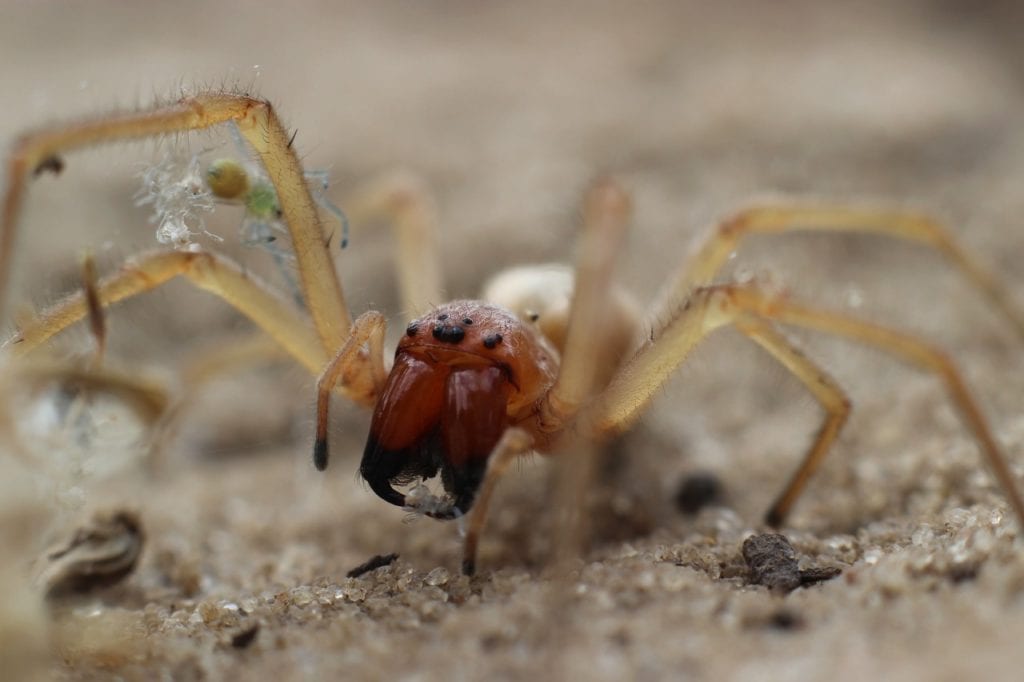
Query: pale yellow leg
x,y
207,271
606,212
712,307
402,201
42,150
823,387
707,260
909,349
513,442
348,369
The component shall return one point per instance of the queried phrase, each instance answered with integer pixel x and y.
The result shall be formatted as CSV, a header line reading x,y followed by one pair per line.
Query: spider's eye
x,y
448,333
227,179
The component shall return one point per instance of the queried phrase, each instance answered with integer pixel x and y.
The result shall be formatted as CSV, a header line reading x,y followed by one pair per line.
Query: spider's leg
x,y
606,213
514,442
348,368
725,238
402,201
747,308
824,388
207,271
906,347
258,124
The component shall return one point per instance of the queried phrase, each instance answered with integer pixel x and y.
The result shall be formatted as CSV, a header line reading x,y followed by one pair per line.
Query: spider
x,y
548,361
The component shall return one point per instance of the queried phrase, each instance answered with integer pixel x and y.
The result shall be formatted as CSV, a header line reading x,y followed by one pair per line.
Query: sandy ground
x,y
508,111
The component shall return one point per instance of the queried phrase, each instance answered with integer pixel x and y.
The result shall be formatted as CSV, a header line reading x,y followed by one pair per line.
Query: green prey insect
x,y
237,182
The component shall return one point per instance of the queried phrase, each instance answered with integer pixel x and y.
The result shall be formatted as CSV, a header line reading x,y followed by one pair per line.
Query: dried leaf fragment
x,y
379,561
99,554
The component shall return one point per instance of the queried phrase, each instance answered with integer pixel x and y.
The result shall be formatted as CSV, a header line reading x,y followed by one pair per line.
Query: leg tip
x,y
320,454
606,197
469,567
774,518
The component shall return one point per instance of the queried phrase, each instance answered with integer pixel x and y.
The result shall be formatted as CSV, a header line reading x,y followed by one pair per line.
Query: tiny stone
x,y
208,612
301,596
772,562
438,576
352,593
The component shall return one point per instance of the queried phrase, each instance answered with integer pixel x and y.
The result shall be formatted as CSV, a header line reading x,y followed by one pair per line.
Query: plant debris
x,y
99,554
772,562
379,561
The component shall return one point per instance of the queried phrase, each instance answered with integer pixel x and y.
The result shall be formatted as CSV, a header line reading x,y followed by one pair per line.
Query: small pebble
x,y
772,562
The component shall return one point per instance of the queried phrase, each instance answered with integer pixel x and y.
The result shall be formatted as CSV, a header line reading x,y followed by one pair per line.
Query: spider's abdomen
x,y
462,374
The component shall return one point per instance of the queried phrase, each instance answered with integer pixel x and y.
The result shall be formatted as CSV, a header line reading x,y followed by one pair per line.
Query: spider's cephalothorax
x,y
462,375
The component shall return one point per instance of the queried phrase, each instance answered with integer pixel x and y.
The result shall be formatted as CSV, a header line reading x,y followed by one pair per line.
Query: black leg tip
x,y
773,518
320,454
469,567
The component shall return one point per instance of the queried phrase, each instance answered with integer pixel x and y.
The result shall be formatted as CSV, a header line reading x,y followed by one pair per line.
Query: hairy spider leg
x,y
606,212
726,236
709,308
513,443
258,124
214,273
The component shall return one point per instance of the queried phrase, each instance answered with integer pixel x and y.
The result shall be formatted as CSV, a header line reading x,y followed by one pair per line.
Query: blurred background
x,y
508,110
